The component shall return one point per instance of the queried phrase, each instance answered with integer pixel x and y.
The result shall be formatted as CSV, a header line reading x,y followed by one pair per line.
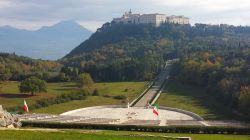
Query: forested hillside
x,y
136,52
224,72
215,57
13,67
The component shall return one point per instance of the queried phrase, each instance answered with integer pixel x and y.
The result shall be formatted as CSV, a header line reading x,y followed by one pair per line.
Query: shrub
x,y
119,97
166,129
125,90
96,92
106,96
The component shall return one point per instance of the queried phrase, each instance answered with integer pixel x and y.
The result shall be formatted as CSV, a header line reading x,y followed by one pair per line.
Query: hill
x,y
13,67
136,52
50,43
212,57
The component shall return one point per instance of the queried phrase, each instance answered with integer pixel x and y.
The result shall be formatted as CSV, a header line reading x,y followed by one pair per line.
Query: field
x,y
128,89
10,96
195,100
106,89
106,135
36,135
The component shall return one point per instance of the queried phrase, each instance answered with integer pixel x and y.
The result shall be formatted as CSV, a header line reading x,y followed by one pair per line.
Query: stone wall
x,y
8,120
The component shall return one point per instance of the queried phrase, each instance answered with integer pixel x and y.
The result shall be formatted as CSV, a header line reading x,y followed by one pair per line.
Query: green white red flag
x,y
156,109
25,106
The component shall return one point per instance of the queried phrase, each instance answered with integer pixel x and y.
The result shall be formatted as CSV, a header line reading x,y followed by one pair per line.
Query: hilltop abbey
x,y
156,19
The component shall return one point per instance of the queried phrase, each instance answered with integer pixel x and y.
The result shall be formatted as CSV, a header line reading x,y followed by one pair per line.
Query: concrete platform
x,y
126,115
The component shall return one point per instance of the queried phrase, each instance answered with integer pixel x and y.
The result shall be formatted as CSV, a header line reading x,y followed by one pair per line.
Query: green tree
x,y
85,80
244,100
5,73
62,77
33,85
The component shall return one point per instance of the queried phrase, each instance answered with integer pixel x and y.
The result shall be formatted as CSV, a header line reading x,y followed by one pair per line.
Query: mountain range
x,y
48,42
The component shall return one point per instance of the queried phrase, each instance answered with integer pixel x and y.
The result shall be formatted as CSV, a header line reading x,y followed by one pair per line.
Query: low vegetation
x,y
140,128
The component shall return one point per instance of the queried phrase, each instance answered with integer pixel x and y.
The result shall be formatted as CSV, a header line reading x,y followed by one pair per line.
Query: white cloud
x,y
92,13
91,25
28,25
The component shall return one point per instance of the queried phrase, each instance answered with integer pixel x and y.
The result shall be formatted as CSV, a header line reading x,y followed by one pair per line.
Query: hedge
x,y
164,129
79,95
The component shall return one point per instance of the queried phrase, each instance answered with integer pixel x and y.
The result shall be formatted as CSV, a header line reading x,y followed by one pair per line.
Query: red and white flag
x,y
25,106
156,109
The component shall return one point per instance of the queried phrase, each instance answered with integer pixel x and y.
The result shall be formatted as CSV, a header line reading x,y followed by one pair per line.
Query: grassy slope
x,y
118,88
90,101
111,89
10,96
195,100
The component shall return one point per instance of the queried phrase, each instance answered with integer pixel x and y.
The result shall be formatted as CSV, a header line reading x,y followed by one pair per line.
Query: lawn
x,y
194,99
129,89
49,134
110,89
193,136
43,135
76,104
10,96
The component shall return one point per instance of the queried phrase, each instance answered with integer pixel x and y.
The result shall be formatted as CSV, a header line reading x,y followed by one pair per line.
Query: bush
x,y
96,92
106,96
119,97
59,99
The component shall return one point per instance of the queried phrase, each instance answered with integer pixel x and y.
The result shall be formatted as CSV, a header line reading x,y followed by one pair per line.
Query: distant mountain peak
x,y
65,24
7,27
49,42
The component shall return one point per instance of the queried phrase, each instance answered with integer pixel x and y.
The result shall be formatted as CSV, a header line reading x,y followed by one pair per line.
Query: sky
x,y
33,14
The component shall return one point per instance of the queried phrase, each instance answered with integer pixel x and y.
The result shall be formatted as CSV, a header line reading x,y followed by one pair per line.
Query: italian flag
x,y
25,106
155,110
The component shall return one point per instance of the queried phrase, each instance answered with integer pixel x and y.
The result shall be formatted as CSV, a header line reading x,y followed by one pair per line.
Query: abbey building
x,y
156,19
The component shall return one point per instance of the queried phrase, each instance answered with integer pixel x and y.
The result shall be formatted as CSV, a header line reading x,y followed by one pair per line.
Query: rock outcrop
x,y
8,120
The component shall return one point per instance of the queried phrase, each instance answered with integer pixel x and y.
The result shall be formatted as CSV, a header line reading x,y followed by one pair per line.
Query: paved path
x,y
155,88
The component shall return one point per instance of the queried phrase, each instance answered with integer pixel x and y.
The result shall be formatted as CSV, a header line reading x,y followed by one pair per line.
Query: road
x,y
156,87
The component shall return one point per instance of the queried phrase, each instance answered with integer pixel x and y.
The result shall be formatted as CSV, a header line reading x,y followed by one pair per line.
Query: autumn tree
x,y
244,100
85,80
